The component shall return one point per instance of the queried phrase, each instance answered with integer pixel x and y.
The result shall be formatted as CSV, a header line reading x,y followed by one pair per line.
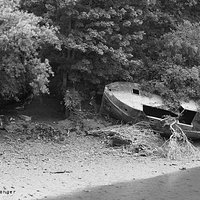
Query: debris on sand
x,y
46,132
32,130
139,139
136,139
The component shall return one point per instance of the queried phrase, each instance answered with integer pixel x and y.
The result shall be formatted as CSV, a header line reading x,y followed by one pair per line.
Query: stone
x,y
25,118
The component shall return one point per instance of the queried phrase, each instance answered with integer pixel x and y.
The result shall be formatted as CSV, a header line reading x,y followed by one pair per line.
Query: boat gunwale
x,y
191,105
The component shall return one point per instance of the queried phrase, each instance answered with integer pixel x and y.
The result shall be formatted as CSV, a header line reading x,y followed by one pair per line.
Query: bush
x,y
72,101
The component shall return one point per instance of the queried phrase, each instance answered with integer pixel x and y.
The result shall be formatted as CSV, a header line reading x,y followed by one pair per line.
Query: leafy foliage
x,y
21,38
153,42
72,100
99,38
175,75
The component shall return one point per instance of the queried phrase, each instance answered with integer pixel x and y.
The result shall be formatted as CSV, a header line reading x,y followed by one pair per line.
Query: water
x,y
183,185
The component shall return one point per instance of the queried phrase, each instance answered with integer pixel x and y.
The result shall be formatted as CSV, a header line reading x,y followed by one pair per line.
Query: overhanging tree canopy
x,y
133,40
21,38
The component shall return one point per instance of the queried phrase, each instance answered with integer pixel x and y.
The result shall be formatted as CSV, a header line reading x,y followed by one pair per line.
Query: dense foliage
x,y
21,38
153,42
100,39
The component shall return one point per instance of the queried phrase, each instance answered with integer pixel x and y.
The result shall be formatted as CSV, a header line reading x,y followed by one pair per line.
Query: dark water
x,y
183,185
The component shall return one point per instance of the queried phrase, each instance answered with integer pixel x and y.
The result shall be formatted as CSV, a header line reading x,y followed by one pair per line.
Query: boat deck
x,y
136,101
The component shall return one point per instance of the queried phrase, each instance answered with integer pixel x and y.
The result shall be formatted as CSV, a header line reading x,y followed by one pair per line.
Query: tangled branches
x,y
178,146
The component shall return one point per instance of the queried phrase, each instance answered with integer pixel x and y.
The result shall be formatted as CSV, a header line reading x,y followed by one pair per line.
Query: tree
x,y
100,38
22,35
175,75
144,41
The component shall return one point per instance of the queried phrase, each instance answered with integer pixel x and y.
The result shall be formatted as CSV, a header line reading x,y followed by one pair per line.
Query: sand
x,y
47,170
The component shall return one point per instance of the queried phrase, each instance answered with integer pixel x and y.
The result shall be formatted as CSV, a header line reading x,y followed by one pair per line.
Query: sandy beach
x,y
46,170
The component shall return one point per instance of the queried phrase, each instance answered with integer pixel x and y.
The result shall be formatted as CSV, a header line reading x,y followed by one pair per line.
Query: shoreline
x,y
42,170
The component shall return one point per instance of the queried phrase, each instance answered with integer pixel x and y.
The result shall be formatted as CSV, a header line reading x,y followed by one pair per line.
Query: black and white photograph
x,y
99,100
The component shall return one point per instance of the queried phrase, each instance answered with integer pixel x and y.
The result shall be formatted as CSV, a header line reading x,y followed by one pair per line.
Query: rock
x,y
183,168
2,122
25,118
119,141
19,107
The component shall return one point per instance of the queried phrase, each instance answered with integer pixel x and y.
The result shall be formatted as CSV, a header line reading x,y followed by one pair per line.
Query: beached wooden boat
x,y
125,101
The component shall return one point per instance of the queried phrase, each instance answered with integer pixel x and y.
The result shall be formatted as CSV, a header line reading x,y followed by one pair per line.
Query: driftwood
x,y
61,172
178,146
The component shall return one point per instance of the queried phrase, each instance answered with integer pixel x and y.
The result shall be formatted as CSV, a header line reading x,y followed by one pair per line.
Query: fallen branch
x,y
61,172
178,146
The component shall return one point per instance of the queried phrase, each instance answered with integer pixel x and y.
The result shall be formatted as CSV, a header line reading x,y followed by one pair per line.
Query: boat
x,y
127,102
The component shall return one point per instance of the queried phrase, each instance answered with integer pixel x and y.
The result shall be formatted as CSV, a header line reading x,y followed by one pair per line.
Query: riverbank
x,y
38,169
40,166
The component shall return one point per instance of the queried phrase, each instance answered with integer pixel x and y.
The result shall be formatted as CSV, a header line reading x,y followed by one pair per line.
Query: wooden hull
x,y
123,112
115,108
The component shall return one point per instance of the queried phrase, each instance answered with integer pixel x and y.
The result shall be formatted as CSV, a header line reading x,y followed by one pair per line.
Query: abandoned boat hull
x,y
118,108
